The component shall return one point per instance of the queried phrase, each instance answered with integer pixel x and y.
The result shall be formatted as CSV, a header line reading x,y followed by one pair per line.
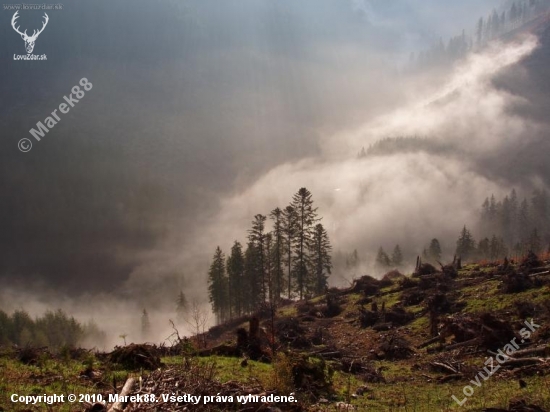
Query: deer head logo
x,y
29,40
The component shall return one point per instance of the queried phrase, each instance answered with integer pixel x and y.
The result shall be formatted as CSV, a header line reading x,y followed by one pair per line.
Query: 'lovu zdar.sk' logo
x,y
29,40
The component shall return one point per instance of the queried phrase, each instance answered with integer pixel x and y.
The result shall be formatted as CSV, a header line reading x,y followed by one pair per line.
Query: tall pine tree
x,y
235,280
302,203
257,235
181,306
217,285
145,325
434,251
277,251
252,293
397,257
320,254
465,245
290,227
383,261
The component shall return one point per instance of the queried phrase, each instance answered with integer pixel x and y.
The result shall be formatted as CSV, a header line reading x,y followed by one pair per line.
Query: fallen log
x,y
328,355
470,342
126,390
513,363
448,378
444,366
540,350
429,342
539,268
382,326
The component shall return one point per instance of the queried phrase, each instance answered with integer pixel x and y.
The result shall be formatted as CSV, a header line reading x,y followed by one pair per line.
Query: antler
x,y
13,21
36,34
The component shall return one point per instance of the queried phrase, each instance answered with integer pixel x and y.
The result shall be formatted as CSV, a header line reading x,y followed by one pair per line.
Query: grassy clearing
x,y
486,297
228,369
417,395
48,376
287,311
407,391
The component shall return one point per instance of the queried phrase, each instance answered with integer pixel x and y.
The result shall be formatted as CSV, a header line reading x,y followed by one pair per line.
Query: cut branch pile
x,y
169,384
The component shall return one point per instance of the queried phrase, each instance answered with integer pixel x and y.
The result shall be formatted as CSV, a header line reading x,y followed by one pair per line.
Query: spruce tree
x,y
434,250
484,248
497,248
217,285
277,251
306,217
181,306
397,257
524,220
145,324
289,227
269,281
383,261
236,279
465,245
479,32
256,235
322,262
252,292
535,242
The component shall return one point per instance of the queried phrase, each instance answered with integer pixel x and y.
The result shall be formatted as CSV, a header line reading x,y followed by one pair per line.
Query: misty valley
x,y
267,206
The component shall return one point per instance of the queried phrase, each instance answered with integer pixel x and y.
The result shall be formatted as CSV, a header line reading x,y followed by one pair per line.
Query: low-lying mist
x,y
404,197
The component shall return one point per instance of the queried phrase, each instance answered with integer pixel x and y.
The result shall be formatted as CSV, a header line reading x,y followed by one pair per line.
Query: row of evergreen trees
x,y
519,225
489,28
467,248
486,249
385,261
509,227
431,254
53,329
497,24
291,260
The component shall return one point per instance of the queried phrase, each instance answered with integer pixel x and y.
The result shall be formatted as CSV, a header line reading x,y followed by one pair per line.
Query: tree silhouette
x,y
145,324
217,285
383,261
322,262
181,306
306,217
434,250
257,235
397,257
252,285
277,251
235,276
465,245
289,227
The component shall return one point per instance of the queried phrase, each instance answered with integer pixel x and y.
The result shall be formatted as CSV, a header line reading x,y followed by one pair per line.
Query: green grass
x,y
418,395
48,376
487,297
227,369
287,311
407,390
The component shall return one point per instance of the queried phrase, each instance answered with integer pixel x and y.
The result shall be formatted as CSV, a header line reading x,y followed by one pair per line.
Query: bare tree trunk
x,y
126,389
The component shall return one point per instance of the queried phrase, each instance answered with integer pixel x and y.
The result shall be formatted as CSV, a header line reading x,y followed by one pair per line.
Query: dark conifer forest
x,y
292,260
